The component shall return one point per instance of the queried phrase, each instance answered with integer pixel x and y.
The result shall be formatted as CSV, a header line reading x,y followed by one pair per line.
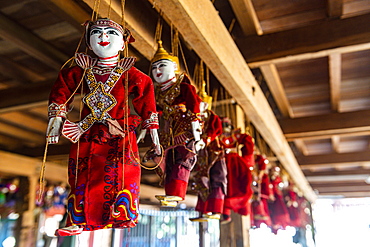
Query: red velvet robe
x,y
291,200
104,185
211,167
239,176
278,210
262,195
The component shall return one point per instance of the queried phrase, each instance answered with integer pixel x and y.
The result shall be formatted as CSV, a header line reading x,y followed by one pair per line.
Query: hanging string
x,y
109,9
183,58
43,165
215,97
158,29
207,79
123,2
175,43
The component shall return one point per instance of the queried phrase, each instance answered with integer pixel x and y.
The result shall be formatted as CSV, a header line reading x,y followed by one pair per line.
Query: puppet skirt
x,y
104,186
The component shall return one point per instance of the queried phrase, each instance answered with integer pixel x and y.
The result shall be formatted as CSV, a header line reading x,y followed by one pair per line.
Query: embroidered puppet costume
x,y
103,169
210,171
178,104
239,176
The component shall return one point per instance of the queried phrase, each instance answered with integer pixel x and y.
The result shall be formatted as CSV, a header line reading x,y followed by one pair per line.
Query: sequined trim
x,y
56,110
151,122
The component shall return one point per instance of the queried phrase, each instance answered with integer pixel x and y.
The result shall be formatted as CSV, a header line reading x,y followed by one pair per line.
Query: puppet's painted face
x,y
163,70
106,41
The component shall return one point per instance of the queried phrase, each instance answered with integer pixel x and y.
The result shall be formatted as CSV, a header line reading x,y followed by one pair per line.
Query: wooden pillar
x,y
28,230
236,232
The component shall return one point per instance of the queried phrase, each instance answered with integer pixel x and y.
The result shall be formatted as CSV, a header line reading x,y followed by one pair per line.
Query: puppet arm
x,y
155,139
197,132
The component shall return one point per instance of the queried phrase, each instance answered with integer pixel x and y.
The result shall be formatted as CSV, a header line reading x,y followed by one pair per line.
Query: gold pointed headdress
x,y
162,54
204,96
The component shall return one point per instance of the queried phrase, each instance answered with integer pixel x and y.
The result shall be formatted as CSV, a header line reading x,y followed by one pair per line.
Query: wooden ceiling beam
x,y
276,87
24,121
353,171
330,124
345,194
334,158
335,73
25,166
327,35
19,73
68,10
246,16
30,43
339,178
348,188
19,133
16,99
335,8
201,26
339,184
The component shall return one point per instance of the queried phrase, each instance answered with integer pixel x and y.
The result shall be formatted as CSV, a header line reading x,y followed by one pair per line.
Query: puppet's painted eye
x,y
95,31
114,32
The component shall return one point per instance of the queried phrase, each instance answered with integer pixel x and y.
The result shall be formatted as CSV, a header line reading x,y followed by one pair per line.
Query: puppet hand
x,y
199,145
155,139
141,135
197,131
53,130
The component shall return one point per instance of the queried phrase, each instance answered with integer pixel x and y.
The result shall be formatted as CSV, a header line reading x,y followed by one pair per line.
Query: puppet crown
x,y
162,54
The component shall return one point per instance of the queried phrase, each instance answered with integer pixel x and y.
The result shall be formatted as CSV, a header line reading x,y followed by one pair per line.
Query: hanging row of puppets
x,y
188,138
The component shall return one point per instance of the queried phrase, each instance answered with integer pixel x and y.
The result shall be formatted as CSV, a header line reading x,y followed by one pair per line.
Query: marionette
x,y
239,177
180,132
291,201
104,167
278,211
261,192
210,173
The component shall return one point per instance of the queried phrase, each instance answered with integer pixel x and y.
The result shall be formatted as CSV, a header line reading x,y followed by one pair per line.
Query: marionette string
x,y
43,165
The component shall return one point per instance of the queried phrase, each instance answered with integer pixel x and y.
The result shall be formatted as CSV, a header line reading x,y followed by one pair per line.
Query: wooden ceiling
x,y
313,55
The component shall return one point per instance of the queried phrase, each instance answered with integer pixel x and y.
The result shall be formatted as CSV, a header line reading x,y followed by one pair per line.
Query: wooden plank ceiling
x,y
313,55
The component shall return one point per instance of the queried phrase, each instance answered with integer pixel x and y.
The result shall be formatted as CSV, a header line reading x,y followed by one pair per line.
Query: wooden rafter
x,y
276,87
353,171
15,98
330,124
335,8
335,80
19,73
334,158
328,35
246,16
30,43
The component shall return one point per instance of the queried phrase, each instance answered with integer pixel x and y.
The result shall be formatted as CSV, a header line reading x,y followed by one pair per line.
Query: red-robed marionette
x,y
178,104
277,208
261,195
103,169
291,201
210,172
239,176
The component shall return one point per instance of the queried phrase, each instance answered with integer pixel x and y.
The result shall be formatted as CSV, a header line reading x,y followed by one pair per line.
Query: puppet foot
x,y
213,216
68,231
206,217
199,219
168,201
